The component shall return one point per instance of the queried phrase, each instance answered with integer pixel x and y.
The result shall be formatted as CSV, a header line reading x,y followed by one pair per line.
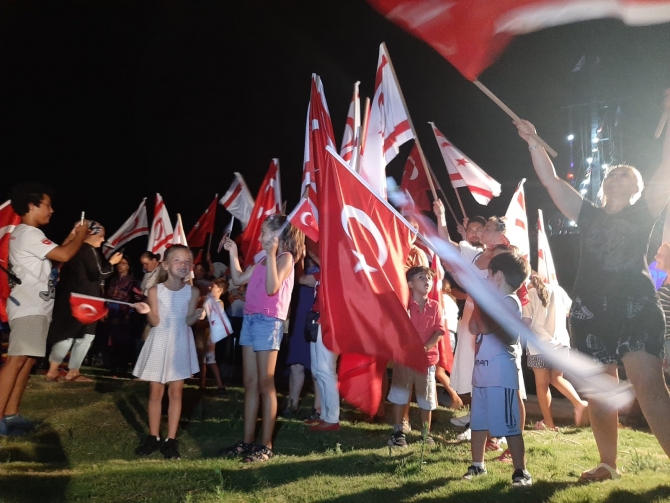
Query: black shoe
x,y
474,471
150,445
398,439
169,449
521,478
221,391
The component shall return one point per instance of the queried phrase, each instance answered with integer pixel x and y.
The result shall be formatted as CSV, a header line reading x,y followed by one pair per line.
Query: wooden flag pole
x,y
360,146
661,124
514,116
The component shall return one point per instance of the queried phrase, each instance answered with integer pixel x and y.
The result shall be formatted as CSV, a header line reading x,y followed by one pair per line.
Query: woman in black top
x,y
616,316
84,274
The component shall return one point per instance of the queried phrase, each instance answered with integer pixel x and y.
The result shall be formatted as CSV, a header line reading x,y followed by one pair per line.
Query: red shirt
x,y
427,322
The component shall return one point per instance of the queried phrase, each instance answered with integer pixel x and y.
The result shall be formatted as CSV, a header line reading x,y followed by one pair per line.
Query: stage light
x,y
571,137
589,160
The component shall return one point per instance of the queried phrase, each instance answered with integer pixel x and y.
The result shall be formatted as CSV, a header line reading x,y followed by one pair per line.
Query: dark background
x,y
109,102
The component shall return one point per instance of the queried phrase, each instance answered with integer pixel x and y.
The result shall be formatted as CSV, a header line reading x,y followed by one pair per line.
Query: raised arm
x,y
238,276
71,245
568,200
277,269
442,231
658,189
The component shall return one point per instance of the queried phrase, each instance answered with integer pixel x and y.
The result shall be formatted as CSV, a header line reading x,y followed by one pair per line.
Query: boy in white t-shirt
x,y
495,378
30,302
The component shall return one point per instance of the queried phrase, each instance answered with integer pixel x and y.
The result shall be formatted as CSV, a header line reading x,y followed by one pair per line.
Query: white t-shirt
x,y
28,248
449,312
495,360
549,323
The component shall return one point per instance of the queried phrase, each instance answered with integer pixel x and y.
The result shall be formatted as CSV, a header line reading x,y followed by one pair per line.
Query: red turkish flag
x,y
205,225
444,349
415,180
304,218
87,309
470,34
8,220
364,245
268,202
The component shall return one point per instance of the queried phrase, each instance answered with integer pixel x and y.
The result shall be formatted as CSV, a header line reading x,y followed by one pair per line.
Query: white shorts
x,y
210,358
406,379
497,410
28,336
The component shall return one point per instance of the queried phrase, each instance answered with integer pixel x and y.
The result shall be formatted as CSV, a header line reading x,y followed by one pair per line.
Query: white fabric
x,y
324,370
79,346
549,323
161,232
28,249
517,222
169,352
219,325
496,360
449,313
238,201
423,384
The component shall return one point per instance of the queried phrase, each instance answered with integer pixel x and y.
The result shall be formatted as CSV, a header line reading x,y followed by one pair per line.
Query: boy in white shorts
x,y
495,378
31,301
427,319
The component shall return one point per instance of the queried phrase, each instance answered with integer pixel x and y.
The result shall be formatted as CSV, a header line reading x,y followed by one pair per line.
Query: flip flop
x,y
52,379
79,378
610,474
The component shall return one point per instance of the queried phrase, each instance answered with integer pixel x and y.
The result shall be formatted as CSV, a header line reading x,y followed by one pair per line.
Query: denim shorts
x,y
262,332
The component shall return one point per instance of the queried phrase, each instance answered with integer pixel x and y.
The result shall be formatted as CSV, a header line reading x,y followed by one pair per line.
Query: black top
x,y
83,273
613,252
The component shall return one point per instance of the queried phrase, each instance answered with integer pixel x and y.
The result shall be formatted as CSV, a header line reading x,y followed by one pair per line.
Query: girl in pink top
x,y
268,298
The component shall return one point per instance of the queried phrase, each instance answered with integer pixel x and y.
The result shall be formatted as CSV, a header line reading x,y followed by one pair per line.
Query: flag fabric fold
x,y
136,225
388,125
465,173
350,138
470,34
8,221
238,201
516,221
205,225
364,245
415,180
545,261
161,228
268,202
303,217
87,309
226,232
219,324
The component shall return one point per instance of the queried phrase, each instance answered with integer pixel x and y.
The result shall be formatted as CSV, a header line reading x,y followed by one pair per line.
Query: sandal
x,y
237,449
78,378
540,426
505,457
260,453
609,474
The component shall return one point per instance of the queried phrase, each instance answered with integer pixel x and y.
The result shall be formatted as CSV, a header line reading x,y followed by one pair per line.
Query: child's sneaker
x,y
398,439
150,445
521,478
465,436
169,449
492,445
474,471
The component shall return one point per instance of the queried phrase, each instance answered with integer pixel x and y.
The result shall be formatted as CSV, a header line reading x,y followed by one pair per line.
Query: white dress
x,y
169,351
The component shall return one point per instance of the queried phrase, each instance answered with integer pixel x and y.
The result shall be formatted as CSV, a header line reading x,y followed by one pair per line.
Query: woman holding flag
x,y
616,316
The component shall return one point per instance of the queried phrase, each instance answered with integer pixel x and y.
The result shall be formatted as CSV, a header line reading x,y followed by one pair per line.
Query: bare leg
x,y
175,390
443,378
605,422
53,369
266,362
250,378
217,374
568,391
425,418
518,451
645,372
11,405
381,410
477,445
398,413
542,379
522,411
203,375
295,384
156,391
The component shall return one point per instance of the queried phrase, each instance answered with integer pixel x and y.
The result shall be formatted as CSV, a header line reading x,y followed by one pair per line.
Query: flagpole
x,y
451,210
360,147
514,116
209,241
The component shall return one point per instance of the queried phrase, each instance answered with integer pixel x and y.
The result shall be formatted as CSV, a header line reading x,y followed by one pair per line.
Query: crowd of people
x,y
615,317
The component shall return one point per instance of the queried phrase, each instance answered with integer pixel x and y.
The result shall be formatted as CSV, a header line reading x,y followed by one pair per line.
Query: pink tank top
x,y
259,302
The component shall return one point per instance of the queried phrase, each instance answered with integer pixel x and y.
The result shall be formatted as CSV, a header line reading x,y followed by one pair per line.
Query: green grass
x,y
83,451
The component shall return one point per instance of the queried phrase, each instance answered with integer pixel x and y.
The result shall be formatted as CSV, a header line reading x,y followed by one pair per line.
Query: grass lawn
x,y
84,451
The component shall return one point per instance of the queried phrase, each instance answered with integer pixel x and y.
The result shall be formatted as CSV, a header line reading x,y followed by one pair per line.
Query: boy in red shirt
x,y
427,319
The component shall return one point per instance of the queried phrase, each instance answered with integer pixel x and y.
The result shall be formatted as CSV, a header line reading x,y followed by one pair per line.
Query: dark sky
x,y
111,101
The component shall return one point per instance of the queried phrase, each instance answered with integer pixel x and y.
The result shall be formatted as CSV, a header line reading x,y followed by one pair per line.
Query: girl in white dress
x,y
168,355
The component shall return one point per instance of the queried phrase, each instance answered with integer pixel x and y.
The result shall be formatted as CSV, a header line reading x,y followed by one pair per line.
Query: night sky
x,y
109,102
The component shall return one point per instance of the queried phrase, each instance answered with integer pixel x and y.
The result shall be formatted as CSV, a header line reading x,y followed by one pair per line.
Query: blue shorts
x,y
495,409
262,332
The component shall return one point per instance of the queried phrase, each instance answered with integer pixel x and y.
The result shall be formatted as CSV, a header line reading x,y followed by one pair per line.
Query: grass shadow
x,y
659,493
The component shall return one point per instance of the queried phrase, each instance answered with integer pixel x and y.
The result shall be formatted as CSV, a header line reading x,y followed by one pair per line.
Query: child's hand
x,y
270,246
142,308
200,313
230,246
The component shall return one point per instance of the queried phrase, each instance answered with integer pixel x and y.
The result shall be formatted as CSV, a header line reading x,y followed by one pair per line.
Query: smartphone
x,y
82,218
120,250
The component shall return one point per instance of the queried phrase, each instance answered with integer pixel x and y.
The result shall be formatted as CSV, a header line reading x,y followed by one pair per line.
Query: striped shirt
x,y
664,294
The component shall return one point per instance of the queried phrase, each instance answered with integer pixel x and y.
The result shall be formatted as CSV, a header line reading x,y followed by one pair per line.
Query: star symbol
x,y
363,265
461,162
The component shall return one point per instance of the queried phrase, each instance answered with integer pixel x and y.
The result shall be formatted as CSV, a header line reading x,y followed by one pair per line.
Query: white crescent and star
x,y
303,218
364,219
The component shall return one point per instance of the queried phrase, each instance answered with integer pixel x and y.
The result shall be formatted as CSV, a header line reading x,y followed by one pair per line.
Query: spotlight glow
x,y
571,137
589,160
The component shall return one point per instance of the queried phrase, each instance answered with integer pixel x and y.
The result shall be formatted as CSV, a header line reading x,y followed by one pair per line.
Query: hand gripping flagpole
x,y
588,376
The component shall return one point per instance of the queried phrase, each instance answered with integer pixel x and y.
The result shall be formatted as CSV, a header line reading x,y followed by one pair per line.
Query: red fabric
x,y
445,351
198,258
205,225
415,180
360,381
267,203
426,323
8,220
364,296
470,34
86,309
304,218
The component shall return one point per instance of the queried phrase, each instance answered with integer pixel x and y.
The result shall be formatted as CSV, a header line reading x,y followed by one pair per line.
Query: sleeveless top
x,y
259,302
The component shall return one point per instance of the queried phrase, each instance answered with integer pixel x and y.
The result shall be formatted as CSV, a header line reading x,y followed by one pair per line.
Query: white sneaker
x,y
460,421
465,436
